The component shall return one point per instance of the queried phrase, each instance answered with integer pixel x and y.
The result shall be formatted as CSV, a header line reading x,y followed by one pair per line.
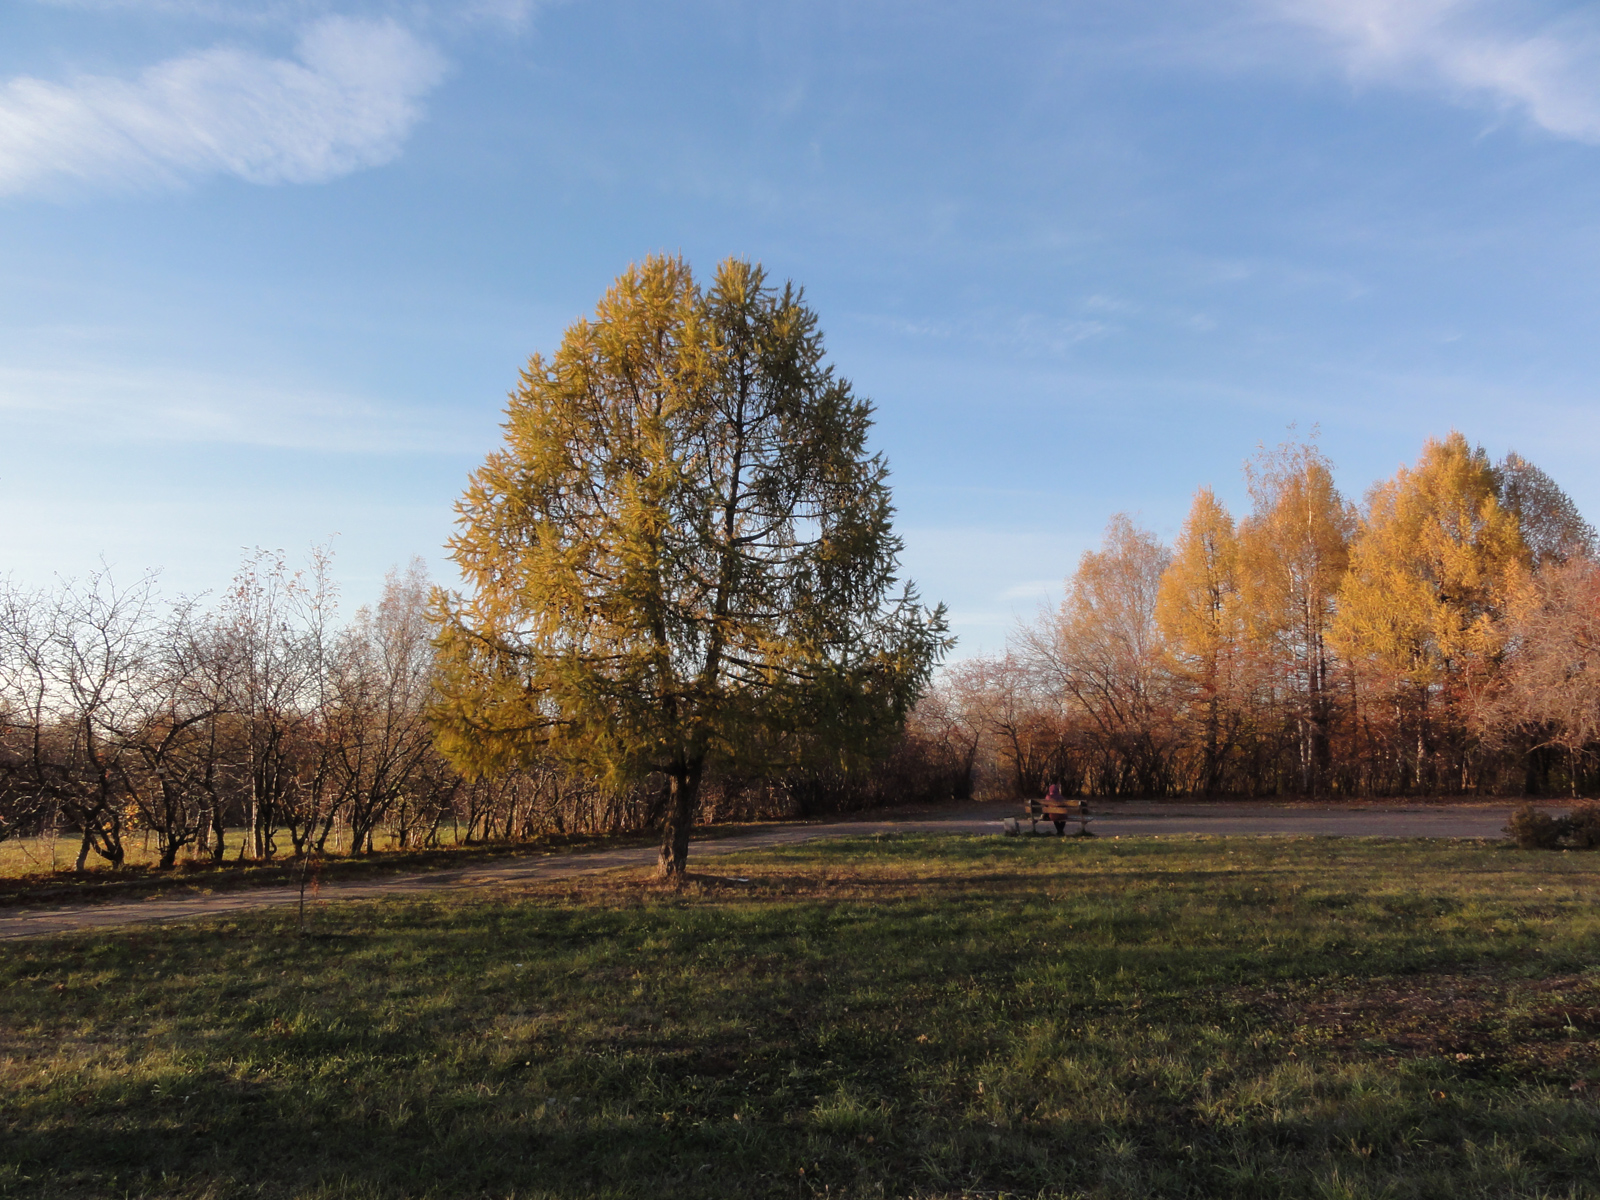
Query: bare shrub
x,y
1583,826
1534,829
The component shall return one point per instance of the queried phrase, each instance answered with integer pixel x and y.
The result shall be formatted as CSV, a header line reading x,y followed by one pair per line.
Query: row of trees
x,y
1437,639
681,600
261,719
263,726
121,713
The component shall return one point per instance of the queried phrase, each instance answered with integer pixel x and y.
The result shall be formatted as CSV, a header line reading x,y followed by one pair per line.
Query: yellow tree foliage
x,y
1293,551
1197,610
1107,648
682,554
1434,569
1197,606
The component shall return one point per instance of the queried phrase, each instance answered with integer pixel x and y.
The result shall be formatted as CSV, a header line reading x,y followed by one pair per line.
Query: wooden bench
x,y
1058,812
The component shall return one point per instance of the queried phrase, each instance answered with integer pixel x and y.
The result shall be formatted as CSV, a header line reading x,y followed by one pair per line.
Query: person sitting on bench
x,y
1055,808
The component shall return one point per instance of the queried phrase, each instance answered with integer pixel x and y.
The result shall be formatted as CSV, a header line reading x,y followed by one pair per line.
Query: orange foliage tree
x,y
1438,639
1422,610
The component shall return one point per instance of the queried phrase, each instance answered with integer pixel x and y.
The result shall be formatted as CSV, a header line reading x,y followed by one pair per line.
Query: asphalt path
x,y
1127,820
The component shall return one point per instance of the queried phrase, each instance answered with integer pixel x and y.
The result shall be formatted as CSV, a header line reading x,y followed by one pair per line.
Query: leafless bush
x,y
1533,829
1583,826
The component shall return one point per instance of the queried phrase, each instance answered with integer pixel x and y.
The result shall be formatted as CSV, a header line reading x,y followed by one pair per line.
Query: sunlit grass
x,y
57,851
33,881
894,1016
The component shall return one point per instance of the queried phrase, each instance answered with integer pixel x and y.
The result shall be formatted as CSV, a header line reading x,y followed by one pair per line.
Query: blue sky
x,y
267,269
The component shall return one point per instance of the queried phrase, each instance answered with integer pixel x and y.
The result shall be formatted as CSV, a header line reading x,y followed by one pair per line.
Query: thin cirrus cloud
x,y
1548,69
346,101
122,406
510,14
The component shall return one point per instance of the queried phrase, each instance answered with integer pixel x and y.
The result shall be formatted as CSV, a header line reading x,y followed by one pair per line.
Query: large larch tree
x,y
682,555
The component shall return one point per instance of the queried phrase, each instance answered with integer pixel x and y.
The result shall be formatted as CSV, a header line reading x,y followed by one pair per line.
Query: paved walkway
x,y
1125,820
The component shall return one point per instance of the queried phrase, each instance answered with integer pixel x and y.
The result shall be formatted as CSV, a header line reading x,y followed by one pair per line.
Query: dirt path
x,y
1126,820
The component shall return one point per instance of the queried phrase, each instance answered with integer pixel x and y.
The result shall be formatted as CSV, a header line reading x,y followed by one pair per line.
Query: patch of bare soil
x,y
1538,1030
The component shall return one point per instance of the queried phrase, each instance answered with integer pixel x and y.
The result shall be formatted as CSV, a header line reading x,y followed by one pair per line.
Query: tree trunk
x,y
682,793
219,831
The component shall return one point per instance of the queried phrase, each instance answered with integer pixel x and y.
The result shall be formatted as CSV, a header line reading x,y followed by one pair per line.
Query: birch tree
x,y
1293,552
1101,652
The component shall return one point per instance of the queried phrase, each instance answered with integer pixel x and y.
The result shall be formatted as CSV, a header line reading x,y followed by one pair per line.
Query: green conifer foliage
x,y
682,554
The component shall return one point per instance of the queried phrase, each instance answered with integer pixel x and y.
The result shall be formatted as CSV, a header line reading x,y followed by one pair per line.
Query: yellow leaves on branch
x,y
1314,646
1198,607
1417,586
1293,551
684,552
1434,570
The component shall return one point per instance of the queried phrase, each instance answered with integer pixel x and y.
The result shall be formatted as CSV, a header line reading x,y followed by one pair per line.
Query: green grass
x,y
25,885
54,853
905,1016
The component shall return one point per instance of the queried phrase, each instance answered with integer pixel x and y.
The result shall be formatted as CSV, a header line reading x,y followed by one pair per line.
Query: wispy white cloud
x,y
513,14
1032,589
1029,333
416,14
347,100
1547,68
122,406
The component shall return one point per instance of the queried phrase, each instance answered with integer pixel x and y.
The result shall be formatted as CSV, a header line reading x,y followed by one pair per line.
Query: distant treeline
x,y
261,726
1441,638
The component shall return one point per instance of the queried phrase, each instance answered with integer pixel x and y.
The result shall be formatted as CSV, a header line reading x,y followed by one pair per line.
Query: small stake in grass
x,y
310,871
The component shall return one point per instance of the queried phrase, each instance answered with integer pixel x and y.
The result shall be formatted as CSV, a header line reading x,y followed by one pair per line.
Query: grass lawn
x,y
900,1016
26,877
55,851
53,854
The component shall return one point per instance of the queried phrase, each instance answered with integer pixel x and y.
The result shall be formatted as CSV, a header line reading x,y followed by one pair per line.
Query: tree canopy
x,y
682,554
1435,567
1199,614
1293,553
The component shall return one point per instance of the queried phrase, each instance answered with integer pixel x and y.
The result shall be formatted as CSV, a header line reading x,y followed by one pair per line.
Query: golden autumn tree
x,y
1198,613
1432,575
682,554
1293,551
1101,651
